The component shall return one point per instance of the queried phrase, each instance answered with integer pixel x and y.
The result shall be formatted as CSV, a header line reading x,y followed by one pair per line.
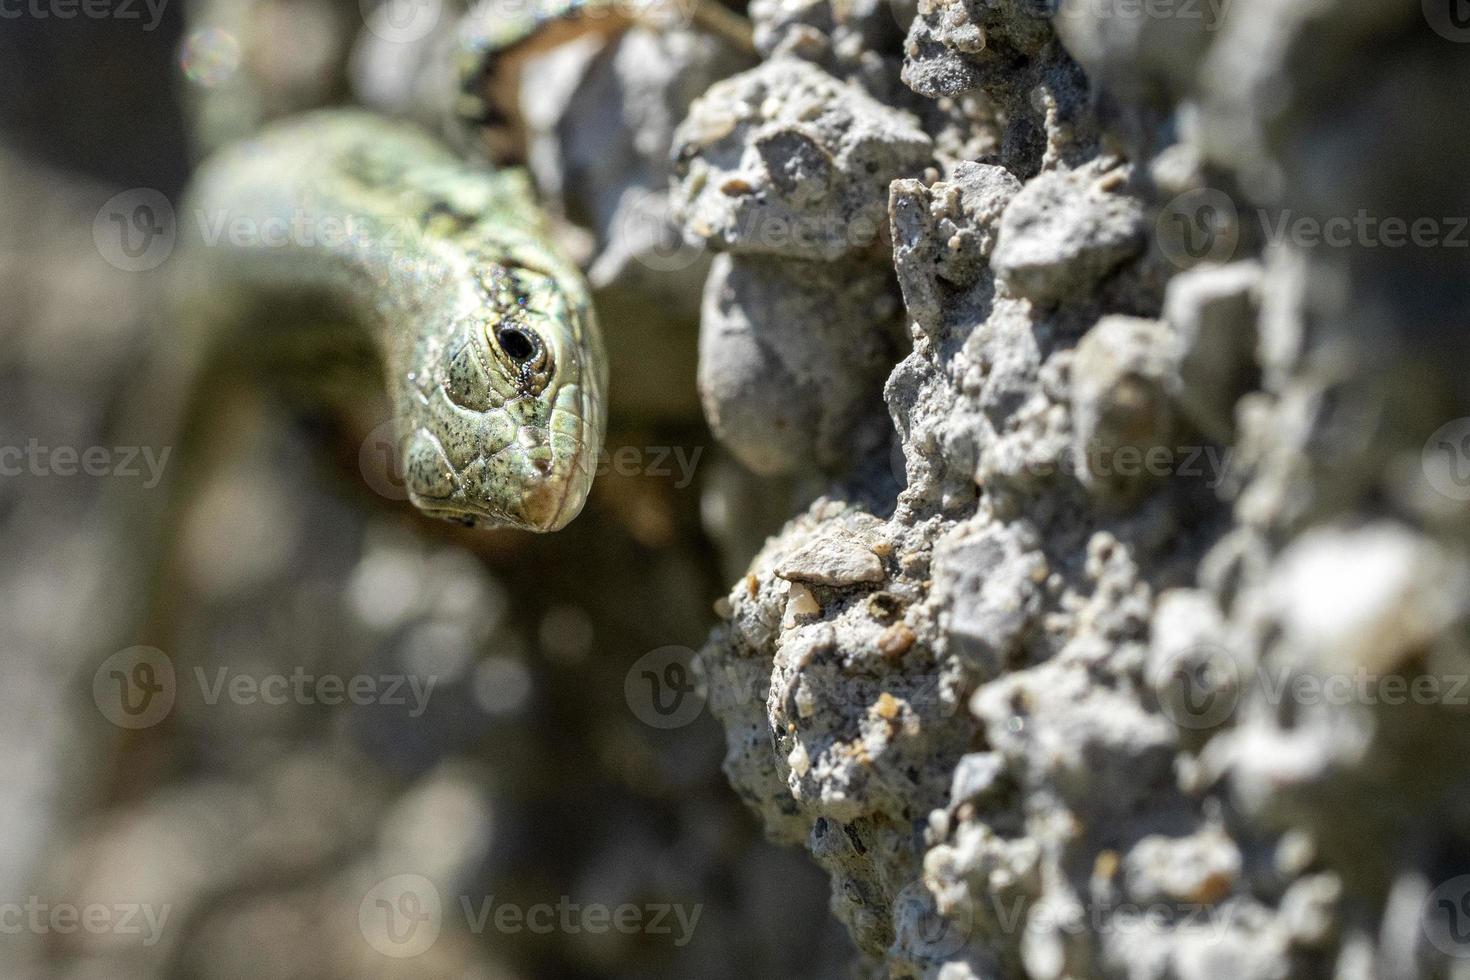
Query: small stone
x,y
976,776
1212,310
895,641
944,233
798,761
1060,236
792,357
803,174
801,602
1199,869
989,586
1123,417
1310,910
1366,598
832,561
806,702
886,707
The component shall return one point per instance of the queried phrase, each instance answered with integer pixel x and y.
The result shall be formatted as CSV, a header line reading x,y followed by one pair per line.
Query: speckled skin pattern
x,y
492,356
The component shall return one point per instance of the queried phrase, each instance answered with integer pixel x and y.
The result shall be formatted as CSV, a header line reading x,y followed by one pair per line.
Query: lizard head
x,y
503,417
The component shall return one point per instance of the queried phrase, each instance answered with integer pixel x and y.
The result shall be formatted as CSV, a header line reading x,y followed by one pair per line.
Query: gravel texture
x,y
1122,682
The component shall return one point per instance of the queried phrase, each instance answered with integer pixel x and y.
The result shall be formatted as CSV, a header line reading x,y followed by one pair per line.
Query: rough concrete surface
x,y
1122,683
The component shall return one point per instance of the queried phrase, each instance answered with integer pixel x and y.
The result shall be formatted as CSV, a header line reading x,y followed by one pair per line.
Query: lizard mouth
x,y
533,491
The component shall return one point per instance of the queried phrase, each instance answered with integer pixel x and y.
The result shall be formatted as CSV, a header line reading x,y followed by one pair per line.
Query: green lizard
x,y
488,342
484,330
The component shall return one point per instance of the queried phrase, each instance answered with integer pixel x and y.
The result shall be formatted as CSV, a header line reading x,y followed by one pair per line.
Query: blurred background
x,y
271,723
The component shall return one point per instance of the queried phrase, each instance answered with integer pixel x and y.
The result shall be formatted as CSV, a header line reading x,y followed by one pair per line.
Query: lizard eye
x,y
519,344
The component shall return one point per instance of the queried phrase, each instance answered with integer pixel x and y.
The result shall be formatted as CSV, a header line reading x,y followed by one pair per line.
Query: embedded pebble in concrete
x,y
833,561
1212,310
1120,407
1065,231
946,231
957,45
792,358
785,160
859,40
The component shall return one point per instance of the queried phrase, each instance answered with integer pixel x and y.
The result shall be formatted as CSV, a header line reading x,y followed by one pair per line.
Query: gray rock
x,y
791,360
991,583
832,561
1147,649
958,45
943,234
1121,411
785,160
1212,310
1064,232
